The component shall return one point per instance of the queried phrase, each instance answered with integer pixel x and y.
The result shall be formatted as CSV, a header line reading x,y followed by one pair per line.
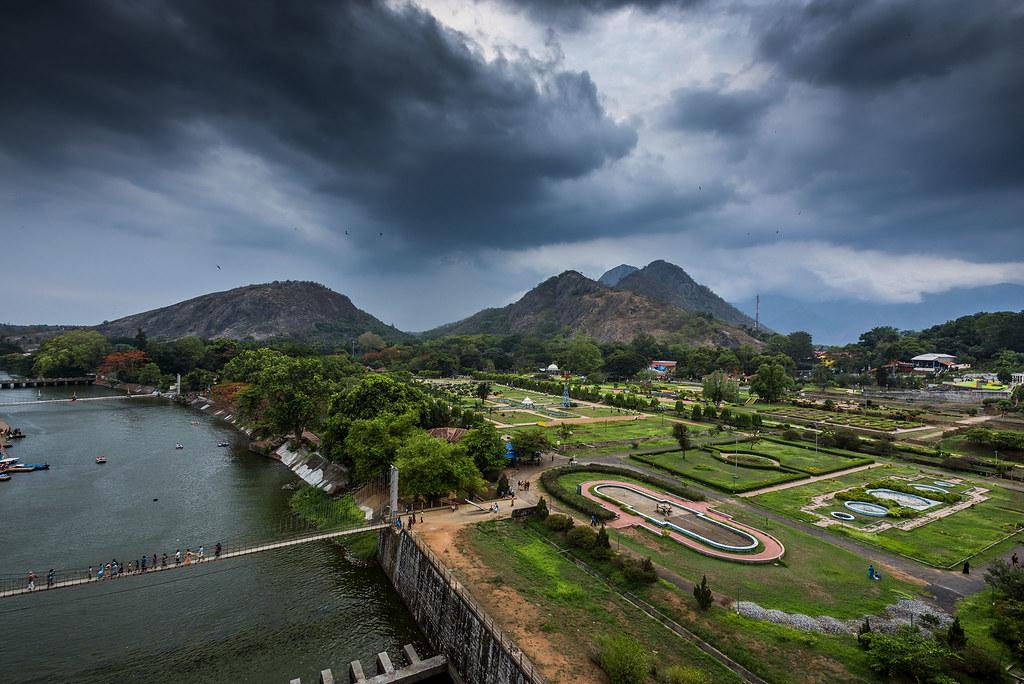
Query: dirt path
x,y
801,483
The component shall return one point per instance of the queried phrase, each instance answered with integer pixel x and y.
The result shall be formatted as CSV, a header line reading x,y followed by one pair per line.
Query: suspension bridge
x,y
119,397
379,498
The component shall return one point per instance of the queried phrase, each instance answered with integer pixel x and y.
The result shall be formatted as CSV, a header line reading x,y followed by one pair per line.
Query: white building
x,y
933,363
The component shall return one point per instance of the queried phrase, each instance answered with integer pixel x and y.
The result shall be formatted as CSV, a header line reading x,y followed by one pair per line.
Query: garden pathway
x,y
800,483
945,586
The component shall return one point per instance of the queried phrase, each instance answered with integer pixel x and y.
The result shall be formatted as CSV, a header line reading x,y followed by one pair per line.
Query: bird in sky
x,y
346,232
382,234
218,267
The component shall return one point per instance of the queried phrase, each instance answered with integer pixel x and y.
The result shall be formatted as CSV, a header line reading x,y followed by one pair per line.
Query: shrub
x,y
542,509
641,571
623,659
502,488
602,539
685,674
558,522
581,538
791,435
702,592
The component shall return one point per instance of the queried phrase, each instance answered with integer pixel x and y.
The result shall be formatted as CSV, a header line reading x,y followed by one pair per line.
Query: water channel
x,y
269,617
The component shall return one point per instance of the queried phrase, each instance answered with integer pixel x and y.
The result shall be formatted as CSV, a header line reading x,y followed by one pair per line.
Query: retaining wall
x,y
478,651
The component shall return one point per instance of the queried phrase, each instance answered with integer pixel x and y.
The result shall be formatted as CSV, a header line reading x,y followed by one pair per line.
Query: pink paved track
x,y
773,548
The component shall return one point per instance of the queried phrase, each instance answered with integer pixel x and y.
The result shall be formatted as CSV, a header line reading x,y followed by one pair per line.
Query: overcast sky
x,y
434,158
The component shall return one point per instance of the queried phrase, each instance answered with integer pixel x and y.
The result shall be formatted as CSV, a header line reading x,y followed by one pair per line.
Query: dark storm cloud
x,y
380,106
912,115
572,15
878,43
725,113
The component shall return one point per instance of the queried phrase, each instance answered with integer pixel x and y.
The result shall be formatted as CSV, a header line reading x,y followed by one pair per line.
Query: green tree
x,y
433,468
484,446
681,433
371,445
702,592
717,387
582,358
374,395
483,390
695,413
907,653
821,375
526,444
622,365
250,364
771,382
296,394
76,352
150,375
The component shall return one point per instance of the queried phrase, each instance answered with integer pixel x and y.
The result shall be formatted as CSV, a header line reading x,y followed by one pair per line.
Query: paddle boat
x,y
101,459
24,468
4,476
195,422
223,444
179,446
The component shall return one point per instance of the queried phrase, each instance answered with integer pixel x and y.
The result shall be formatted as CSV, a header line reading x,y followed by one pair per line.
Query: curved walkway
x,y
773,548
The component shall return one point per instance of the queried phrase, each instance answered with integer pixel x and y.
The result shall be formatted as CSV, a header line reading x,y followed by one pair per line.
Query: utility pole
x,y
757,313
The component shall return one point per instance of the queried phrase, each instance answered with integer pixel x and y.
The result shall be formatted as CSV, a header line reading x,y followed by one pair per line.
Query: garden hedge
x,y
716,485
549,478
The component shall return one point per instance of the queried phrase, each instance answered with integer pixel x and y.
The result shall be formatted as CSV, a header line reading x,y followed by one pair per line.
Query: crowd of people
x,y
114,568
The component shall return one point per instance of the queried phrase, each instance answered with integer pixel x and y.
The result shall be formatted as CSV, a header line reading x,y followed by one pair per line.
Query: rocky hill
x,y
674,285
293,309
612,276
571,303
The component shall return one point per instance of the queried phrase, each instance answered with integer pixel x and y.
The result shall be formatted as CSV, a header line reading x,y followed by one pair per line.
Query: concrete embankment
x,y
454,624
310,467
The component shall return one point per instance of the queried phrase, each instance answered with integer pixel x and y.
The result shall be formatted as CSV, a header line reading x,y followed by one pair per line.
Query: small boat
x,y
101,459
4,476
179,446
24,468
195,422
223,444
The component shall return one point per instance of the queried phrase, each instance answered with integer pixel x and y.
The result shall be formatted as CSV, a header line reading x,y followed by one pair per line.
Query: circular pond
x,y
912,501
943,483
867,508
839,515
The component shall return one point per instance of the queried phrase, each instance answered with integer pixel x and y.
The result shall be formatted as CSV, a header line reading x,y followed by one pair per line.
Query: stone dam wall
x,y
478,651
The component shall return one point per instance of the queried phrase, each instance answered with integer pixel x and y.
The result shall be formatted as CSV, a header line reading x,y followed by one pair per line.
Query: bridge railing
x,y
291,529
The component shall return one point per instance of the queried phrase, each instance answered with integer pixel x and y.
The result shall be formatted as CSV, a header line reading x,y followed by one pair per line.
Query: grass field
x,y
576,608
805,459
942,542
703,467
567,598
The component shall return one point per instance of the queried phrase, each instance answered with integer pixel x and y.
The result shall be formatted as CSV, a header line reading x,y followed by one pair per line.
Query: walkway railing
x,y
14,585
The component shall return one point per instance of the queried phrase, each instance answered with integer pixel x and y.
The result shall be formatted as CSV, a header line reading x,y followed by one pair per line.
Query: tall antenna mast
x,y
757,314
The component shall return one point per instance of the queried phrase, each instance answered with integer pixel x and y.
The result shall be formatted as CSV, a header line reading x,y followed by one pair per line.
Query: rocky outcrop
x,y
293,309
674,285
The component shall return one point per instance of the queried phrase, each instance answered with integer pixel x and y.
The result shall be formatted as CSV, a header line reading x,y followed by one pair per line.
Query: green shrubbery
x,y
623,659
581,538
559,522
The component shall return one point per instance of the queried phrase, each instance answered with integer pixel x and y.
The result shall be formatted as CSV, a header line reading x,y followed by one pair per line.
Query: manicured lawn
x,y
942,542
806,459
583,453
704,467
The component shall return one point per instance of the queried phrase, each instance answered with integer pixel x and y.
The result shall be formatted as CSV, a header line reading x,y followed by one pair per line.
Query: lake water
x,y
269,617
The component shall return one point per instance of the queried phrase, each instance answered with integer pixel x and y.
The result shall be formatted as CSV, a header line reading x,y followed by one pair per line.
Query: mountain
x,y
571,303
671,283
612,277
299,310
839,322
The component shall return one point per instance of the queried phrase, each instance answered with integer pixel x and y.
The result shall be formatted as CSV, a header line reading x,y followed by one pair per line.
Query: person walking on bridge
x,y
216,551
177,557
